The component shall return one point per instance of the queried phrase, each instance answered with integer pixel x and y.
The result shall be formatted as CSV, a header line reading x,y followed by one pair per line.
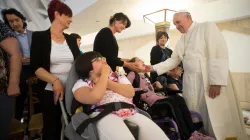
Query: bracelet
x,y
54,81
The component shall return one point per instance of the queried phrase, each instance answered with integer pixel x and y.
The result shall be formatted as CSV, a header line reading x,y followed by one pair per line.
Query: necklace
x,y
186,44
57,38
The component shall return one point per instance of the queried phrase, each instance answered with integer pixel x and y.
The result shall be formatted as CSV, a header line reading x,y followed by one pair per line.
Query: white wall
x,y
238,50
221,10
138,46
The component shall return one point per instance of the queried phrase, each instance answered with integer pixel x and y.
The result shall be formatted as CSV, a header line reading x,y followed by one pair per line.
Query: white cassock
x,y
204,54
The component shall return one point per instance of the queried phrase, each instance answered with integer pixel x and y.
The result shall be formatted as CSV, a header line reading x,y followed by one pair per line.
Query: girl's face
x,y
140,64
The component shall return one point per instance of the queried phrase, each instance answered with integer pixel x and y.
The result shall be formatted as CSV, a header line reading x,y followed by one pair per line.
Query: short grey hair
x,y
186,13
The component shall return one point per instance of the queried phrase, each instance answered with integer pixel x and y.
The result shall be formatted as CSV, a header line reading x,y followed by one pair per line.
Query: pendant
x,y
59,39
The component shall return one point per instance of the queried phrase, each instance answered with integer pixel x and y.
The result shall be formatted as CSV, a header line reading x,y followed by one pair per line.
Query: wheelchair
x,y
165,118
76,114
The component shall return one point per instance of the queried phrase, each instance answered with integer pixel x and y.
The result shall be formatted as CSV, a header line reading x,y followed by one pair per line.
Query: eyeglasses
x,y
98,59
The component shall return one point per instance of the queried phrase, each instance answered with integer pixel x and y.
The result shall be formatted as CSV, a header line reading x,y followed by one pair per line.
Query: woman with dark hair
x,y
78,39
105,42
100,86
160,53
52,55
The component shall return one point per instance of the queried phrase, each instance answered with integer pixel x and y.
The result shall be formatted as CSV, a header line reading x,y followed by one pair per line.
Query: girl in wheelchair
x,y
161,104
100,86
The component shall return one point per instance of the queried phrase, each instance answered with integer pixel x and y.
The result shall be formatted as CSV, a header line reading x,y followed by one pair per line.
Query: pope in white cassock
x,y
203,51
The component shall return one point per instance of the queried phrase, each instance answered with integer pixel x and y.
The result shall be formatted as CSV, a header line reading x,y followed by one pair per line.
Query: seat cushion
x,y
16,127
36,122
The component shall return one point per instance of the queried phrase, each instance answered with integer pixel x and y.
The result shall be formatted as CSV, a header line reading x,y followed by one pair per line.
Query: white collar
x,y
191,27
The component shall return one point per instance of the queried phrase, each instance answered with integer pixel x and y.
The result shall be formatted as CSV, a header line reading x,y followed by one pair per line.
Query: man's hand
x,y
148,68
13,90
214,91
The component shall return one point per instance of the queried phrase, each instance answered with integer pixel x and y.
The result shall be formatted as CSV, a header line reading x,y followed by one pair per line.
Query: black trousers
x,y
25,75
176,107
7,104
51,116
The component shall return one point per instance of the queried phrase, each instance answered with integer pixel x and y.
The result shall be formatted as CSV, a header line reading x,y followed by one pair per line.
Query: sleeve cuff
x,y
153,69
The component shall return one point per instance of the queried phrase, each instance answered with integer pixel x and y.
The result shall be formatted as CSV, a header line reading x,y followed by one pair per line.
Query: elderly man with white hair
x,y
203,51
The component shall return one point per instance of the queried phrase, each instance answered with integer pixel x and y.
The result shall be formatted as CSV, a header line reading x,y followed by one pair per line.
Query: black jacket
x,y
106,44
156,54
155,58
41,49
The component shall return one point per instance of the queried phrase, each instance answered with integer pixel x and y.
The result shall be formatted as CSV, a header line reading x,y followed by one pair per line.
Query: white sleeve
x,y
218,65
168,64
123,80
80,83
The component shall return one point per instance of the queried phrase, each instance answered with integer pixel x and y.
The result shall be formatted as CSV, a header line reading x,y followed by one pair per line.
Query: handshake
x,y
149,68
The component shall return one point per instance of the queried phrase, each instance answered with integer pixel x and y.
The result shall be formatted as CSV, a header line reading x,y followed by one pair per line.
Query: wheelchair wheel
x,y
170,128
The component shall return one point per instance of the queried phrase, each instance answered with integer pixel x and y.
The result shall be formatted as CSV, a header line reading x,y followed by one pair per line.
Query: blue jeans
x,y
6,114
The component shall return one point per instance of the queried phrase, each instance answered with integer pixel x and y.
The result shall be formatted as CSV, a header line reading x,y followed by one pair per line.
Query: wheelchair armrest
x,y
139,92
159,90
169,91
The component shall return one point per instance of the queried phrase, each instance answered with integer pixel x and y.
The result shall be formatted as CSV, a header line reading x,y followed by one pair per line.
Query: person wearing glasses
x,y
99,85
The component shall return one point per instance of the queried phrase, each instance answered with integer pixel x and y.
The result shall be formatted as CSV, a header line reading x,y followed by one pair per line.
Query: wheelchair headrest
x,y
72,79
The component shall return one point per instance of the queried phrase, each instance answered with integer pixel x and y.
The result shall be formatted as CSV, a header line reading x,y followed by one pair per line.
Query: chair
x,y
36,120
90,133
16,130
